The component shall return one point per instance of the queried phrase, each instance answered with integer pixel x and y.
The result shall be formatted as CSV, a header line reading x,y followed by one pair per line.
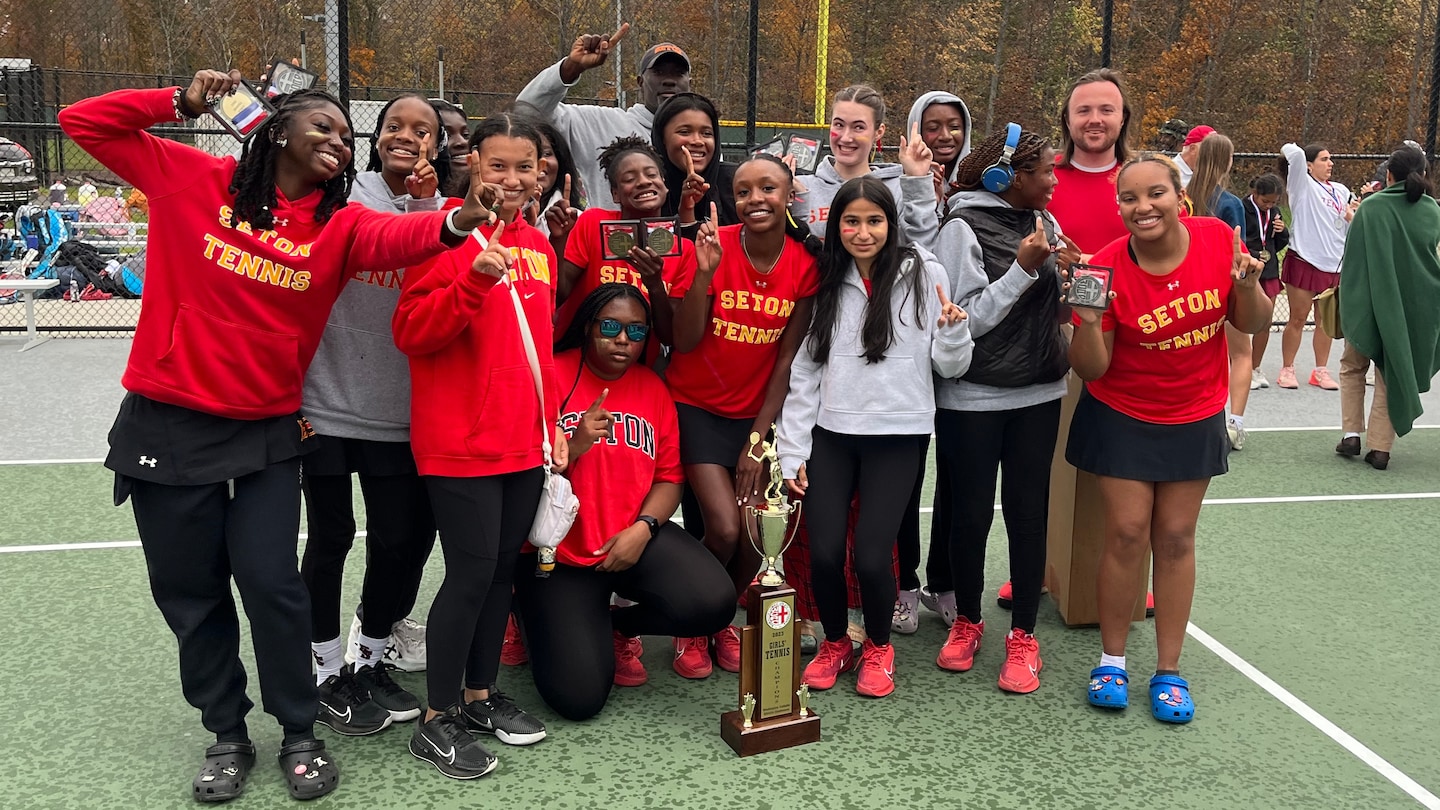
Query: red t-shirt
x,y
1170,365
584,250
612,478
728,372
1084,204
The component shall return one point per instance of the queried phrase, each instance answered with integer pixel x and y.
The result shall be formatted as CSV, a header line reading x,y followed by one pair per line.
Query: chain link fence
x,y
476,54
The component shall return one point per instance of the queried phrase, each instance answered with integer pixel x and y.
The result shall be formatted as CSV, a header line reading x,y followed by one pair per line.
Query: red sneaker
x,y
692,657
833,658
1149,604
727,649
877,670
1021,671
512,650
1006,597
958,654
629,671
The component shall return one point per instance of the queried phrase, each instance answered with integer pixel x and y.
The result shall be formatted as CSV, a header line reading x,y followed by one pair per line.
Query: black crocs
x,y
309,769
223,774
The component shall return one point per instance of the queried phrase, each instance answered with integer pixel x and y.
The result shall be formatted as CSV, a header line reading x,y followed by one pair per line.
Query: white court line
x,y
1314,718
26,461
103,544
1318,429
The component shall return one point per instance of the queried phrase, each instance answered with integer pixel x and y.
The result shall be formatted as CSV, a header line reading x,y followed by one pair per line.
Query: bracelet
x,y
450,225
176,102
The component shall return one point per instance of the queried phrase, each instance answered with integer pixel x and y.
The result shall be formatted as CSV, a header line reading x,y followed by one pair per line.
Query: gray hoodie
x,y
848,395
358,386
941,97
914,198
587,128
986,305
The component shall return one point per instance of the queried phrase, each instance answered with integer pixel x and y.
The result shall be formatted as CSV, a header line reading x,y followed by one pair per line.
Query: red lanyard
x,y
1334,198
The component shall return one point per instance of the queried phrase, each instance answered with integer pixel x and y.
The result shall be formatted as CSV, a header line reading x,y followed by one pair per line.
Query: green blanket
x,y
1390,295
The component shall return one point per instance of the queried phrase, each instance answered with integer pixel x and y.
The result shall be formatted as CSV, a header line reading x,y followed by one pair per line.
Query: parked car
x,y
18,181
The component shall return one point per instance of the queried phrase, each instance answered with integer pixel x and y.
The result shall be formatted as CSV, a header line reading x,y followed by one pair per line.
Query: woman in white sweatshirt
x,y
861,402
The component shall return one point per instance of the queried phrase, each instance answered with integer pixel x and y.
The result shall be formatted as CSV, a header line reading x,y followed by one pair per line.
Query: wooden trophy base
x,y
768,735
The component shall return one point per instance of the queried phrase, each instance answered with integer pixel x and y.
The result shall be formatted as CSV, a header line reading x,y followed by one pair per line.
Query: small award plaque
x,y
806,152
618,236
662,235
241,111
1089,286
775,708
775,146
286,77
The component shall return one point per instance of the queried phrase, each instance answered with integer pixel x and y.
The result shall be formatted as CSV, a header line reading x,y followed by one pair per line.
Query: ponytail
x,y
1407,165
793,229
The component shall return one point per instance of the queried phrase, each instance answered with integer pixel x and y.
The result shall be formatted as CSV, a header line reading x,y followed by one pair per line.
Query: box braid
x,y
793,229
983,156
253,183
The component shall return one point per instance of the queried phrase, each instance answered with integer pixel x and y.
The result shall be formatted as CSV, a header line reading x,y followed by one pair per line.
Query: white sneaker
x,y
905,620
941,603
1236,434
404,649
1370,376
1258,380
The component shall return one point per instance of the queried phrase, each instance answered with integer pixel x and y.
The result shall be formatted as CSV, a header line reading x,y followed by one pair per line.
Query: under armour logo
x,y
146,461
282,222
1174,285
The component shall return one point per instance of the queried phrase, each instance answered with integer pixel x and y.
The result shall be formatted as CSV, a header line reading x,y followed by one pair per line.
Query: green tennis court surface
x,y
1331,599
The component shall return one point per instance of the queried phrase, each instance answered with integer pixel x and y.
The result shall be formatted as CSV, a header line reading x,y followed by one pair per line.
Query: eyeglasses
x,y
610,328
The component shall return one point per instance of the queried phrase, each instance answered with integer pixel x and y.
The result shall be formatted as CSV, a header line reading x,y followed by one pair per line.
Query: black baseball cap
x,y
661,50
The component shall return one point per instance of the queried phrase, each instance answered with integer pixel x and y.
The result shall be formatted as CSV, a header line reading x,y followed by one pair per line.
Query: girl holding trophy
x,y
861,403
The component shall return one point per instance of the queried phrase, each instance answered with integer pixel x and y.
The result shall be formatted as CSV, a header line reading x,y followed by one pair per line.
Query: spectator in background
x,y
1265,237
137,206
1094,140
87,193
1172,134
57,193
664,71
1190,153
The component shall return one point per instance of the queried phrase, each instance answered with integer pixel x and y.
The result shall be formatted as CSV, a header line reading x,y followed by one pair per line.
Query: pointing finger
x,y
1237,240
600,400
619,34
944,299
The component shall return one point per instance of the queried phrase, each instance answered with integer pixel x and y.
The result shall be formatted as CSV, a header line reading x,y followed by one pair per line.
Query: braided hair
x,y
504,124
441,162
611,155
793,229
984,155
574,336
253,182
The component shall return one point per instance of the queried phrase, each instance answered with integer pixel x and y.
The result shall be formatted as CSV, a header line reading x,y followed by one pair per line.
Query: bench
x,y
26,288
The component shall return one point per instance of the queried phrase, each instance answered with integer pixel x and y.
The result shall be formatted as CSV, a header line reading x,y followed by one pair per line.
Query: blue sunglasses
x,y
610,328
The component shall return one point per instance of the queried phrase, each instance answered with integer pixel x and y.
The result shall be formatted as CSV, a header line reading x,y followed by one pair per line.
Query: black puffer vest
x,y
1027,347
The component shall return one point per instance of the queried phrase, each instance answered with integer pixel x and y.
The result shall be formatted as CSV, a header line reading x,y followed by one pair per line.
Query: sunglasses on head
x,y
610,328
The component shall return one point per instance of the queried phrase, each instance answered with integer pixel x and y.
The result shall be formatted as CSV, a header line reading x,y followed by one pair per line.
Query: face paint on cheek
x,y
316,135
849,231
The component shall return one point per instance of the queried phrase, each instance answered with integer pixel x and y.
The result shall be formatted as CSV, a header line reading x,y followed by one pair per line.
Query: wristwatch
x,y
651,522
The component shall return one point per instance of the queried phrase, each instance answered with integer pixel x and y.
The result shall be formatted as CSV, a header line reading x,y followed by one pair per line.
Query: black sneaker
x,y
499,715
390,695
444,743
347,709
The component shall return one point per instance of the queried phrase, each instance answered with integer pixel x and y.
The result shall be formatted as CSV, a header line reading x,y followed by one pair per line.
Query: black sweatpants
x,y
679,588
400,532
909,538
938,575
1018,445
483,523
196,539
882,469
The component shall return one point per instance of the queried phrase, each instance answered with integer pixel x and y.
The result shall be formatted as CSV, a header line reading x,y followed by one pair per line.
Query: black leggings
x,y
882,469
938,575
680,589
196,540
483,523
400,532
909,537
1019,445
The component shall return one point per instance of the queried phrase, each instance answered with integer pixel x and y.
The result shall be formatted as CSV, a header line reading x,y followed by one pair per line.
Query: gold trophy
x,y
776,713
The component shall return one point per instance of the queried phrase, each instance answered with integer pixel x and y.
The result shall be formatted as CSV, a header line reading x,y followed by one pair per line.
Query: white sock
x,y
328,658
1352,436
367,651
1117,661
1237,420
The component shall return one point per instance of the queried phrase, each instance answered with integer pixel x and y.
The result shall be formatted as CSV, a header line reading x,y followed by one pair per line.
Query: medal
x,y
1264,257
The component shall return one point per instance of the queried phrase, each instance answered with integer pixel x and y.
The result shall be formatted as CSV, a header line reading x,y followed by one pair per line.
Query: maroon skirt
x,y
1296,272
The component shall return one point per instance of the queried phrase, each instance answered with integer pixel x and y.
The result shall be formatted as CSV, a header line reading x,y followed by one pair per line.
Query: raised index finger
x,y
425,146
600,400
944,299
619,33
1238,250
566,196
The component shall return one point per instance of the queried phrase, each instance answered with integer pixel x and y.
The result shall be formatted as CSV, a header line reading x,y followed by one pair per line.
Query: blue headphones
x,y
998,176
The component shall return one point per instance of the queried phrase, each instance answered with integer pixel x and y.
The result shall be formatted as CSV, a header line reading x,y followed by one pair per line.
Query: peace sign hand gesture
x,y
422,180
950,312
1244,268
591,50
483,200
915,156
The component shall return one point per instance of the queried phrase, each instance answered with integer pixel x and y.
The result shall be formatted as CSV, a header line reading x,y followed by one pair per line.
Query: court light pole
x,y
752,80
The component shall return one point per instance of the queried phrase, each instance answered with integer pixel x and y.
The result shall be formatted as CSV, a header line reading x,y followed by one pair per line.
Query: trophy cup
x,y
774,708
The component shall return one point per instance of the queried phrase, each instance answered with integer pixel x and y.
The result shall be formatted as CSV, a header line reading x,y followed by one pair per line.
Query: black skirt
x,y
706,438
1106,442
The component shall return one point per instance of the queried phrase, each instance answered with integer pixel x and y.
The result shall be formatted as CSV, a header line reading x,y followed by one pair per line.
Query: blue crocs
x,y
1170,699
1109,688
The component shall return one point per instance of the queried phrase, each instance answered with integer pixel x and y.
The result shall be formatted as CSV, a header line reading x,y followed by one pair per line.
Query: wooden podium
x,y
769,678
1076,533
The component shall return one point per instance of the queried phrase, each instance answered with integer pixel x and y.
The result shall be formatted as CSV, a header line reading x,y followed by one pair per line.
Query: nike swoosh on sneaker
x,y
343,718
448,755
889,673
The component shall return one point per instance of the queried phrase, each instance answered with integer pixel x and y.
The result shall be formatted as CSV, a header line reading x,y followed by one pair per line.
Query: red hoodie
x,y
473,408
232,316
